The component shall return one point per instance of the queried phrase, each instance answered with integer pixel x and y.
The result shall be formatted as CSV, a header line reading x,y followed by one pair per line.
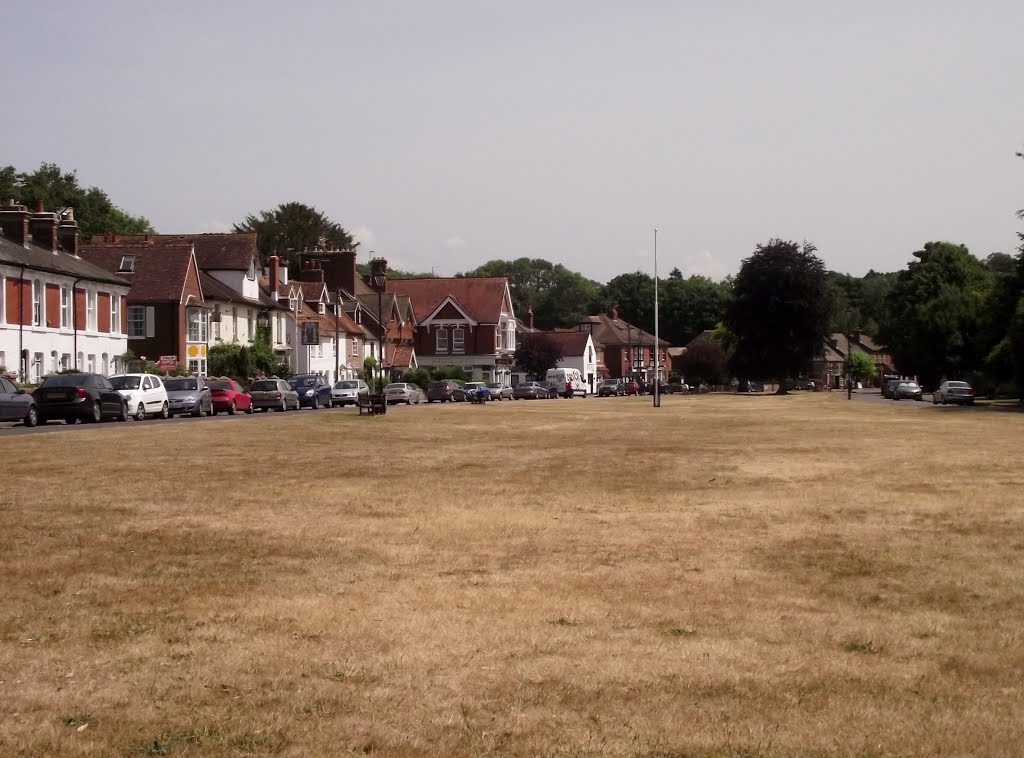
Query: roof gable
x,y
160,273
482,299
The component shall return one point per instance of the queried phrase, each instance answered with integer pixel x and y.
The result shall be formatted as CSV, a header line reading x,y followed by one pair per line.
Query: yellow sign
x,y
193,351
202,350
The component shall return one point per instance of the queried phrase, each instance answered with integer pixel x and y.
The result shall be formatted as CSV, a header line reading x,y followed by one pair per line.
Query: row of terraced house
x,y
171,298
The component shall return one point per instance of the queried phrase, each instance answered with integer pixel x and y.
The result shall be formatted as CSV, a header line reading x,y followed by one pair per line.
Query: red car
x,y
229,397
631,387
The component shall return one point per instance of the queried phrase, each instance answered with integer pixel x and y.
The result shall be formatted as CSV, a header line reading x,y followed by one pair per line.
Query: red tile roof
x,y
571,343
214,252
399,357
481,297
159,274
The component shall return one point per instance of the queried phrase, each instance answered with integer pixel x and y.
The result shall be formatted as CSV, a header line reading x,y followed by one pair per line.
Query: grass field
x,y
726,576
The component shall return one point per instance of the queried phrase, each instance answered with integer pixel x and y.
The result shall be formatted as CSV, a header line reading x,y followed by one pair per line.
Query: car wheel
x,y
71,421
123,417
284,406
935,400
249,409
232,409
140,413
316,403
31,417
165,412
96,414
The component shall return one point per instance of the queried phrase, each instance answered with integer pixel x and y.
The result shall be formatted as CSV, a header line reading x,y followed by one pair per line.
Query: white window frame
x,y
115,313
37,302
355,346
458,340
65,307
3,302
498,334
441,340
90,314
136,326
195,317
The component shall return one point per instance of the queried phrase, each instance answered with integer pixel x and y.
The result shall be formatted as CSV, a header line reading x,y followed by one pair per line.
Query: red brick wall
x,y
103,317
124,315
53,305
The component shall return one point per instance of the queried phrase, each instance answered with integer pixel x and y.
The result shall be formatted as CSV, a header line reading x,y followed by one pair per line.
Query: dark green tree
x,y
634,294
703,361
689,306
291,228
57,189
935,313
779,313
537,353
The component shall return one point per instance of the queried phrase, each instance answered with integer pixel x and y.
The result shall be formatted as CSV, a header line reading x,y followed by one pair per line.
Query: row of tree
x,y
948,314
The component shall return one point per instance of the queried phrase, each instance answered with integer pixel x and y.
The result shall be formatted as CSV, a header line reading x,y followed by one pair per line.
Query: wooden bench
x,y
372,404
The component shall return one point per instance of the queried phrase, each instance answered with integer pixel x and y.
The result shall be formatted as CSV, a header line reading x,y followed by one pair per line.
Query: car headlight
x,y
309,393
190,399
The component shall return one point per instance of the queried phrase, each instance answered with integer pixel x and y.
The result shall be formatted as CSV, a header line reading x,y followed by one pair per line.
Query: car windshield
x,y
959,384
125,382
912,385
305,381
494,386
264,385
439,386
65,380
220,385
610,383
347,385
178,385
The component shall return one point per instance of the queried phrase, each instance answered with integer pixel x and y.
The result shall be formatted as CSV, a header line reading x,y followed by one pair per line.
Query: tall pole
x,y
849,365
337,335
657,341
295,344
380,341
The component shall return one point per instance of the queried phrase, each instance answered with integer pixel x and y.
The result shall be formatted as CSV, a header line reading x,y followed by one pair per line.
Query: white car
x,y
347,391
400,392
953,392
145,393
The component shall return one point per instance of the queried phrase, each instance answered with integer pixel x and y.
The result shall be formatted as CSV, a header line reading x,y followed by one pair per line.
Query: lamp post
x,y
337,334
379,280
657,375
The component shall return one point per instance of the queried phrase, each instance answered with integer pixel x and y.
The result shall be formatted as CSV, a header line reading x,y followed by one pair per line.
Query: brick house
x,y
625,349
57,310
829,366
167,313
463,321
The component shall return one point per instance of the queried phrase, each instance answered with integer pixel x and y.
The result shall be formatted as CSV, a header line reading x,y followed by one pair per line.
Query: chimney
x,y
43,228
275,275
346,269
613,312
529,317
67,232
14,222
311,272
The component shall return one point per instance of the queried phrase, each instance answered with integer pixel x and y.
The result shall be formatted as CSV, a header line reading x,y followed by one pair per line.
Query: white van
x,y
567,381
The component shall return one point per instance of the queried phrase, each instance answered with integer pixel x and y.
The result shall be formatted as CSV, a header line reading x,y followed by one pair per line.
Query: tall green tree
x,y
57,189
935,313
687,307
291,228
634,294
779,313
703,361
537,353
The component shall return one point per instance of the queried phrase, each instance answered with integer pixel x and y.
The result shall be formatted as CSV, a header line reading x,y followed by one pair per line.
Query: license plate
x,y
55,395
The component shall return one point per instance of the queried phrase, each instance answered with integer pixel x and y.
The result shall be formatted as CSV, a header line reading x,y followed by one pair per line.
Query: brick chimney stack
x,y
346,271
14,222
67,232
42,227
613,312
275,276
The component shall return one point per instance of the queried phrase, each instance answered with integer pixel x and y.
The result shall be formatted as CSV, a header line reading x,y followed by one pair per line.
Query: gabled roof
x,y
159,275
36,258
215,290
616,331
450,309
481,297
214,252
400,356
571,343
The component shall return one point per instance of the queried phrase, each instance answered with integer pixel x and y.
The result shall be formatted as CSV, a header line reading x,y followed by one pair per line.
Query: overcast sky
x,y
444,134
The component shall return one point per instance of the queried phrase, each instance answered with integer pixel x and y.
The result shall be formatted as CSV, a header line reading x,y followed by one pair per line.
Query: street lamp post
x,y
849,365
379,280
657,374
337,334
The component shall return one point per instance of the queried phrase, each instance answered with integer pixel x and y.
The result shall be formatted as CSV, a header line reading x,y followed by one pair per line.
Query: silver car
x,y
274,394
188,394
347,391
500,391
400,392
906,390
954,392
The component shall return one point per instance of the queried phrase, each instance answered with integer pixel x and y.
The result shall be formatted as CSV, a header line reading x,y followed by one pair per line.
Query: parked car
x,y
631,387
347,391
476,391
16,404
229,397
401,392
954,392
907,390
313,391
500,391
145,394
445,391
189,394
748,385
89,397
889,386
274,394
611,388
531,391
805,384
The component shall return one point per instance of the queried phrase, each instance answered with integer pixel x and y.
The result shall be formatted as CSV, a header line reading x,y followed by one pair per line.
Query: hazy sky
x,y
444,134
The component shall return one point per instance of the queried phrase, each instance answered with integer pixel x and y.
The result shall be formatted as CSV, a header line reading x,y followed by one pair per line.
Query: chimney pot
x,y
39,206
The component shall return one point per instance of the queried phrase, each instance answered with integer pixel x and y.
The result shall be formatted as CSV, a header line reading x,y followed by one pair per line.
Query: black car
x,y
314,392
89,397
16,404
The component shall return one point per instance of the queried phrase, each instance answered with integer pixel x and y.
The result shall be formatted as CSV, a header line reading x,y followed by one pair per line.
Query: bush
x,y
241,362
418,376
448,372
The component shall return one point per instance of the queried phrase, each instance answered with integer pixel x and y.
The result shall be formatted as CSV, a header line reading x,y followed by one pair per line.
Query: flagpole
x,y
657,340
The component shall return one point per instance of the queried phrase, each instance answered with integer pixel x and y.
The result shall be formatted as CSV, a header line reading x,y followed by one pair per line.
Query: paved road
x,y
875,396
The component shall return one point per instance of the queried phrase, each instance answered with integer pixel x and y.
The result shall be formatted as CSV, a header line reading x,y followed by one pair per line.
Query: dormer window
x,y
127,264
321,309
293,303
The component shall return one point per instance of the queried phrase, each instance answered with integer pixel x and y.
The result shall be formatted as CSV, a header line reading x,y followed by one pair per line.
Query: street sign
x,y
167,362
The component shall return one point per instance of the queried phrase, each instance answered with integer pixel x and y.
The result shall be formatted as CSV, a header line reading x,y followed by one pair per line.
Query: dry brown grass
x,y
728,576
